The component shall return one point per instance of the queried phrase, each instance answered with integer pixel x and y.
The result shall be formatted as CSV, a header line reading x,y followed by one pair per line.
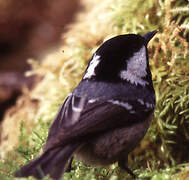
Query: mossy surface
x,y
163,153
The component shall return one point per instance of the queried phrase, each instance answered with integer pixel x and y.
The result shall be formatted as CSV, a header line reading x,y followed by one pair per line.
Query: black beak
x,y
148,36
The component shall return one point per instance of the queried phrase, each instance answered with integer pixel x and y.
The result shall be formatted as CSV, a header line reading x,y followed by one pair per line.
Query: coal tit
x,y
106,115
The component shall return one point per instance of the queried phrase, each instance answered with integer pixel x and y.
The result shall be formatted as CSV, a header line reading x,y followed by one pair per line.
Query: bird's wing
x,y
80,119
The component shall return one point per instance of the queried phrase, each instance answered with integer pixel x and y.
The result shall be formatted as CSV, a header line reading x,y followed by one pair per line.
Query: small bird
x,y
107,114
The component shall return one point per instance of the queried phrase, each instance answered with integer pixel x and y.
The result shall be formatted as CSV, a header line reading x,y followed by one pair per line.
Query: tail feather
x,y
51,162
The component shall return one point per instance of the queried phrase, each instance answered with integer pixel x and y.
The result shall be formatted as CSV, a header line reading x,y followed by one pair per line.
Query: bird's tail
x,y
52,162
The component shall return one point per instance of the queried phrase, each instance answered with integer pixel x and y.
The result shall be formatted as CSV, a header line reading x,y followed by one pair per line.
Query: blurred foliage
x,y
163,154
170,69
29,146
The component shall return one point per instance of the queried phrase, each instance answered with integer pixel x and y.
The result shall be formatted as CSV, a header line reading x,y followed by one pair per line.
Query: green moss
x,y
165,147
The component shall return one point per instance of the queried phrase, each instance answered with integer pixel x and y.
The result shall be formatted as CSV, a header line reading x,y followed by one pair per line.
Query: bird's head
x,y
121,58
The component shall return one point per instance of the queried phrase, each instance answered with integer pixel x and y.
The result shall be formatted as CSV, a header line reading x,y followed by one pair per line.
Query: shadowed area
x,y
28,29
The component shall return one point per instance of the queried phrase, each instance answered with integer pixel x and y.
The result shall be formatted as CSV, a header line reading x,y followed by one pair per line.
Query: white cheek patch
x,y
136,68
91,69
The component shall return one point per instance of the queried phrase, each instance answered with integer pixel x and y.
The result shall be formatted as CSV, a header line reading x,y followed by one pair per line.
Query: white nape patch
x,y
136,68
123,104
91,69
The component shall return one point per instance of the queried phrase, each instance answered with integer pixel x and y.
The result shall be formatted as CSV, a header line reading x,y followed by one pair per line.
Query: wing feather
x,y
81,119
